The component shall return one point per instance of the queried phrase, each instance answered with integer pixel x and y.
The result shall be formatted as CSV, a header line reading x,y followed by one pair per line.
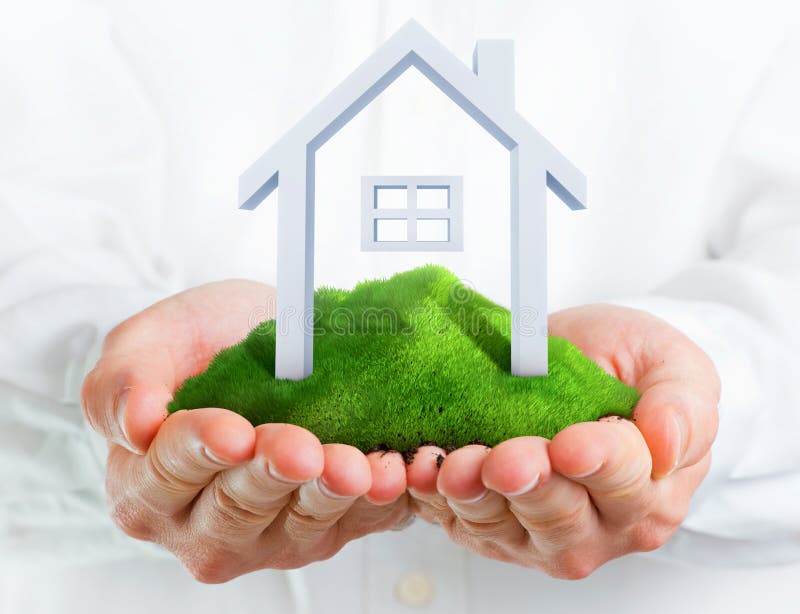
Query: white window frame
x,y
370,212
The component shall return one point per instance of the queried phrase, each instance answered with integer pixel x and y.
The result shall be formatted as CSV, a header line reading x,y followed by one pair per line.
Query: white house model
x,y
487,94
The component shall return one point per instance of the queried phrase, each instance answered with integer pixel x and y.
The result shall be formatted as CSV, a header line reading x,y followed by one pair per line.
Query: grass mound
x,y
398,362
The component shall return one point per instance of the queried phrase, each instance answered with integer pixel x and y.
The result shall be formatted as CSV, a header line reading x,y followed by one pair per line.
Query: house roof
x,y
411,45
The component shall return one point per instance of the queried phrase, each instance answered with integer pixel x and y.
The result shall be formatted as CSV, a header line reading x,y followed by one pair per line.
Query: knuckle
x,y
364,517
166,477
511,544
560,526
296,552
131,519
118,333
230,510
302,524
572,565
627,484
435,503
432,516
434,510
673,515
485,530
212,567
638,505
650,536
158,486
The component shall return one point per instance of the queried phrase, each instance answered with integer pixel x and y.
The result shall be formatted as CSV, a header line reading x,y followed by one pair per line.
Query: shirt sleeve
x,y
80,203
741,305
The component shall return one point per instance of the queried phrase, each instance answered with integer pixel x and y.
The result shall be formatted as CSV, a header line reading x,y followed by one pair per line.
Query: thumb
x,y
125,397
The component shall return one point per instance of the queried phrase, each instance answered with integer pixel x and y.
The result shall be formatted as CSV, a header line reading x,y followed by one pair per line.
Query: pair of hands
x,y
227,498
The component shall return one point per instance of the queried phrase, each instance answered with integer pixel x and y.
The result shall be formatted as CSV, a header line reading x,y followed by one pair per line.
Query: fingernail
x,y
586,474
527,488
213,457
277,475
120,413
323,488
474,499
680,428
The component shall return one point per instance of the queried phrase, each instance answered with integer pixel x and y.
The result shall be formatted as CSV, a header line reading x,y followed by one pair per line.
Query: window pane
x,y
433,230
433,197
391,197
391,230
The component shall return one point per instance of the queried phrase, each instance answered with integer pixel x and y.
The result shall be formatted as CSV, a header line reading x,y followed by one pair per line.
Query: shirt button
x,y
414,588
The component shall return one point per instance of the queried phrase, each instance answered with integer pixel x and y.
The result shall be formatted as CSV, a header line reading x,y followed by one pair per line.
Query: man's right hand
x,y
224,497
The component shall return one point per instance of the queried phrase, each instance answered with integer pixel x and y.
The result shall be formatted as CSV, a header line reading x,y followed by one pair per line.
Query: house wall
x,y
412,128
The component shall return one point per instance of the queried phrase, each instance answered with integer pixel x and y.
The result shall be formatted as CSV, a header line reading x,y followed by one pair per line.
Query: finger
x,y
681,485
482,515
188,451
388,471
318,504
242,501
675,493
125,396
421,477
365,517
689,478
460,483
611,459
677,413
152,353
556,512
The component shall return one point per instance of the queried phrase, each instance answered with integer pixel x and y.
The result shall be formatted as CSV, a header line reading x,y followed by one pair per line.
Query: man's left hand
x,y
598,490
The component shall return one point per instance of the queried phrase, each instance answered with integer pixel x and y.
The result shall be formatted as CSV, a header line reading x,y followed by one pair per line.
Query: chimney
x,y
493,62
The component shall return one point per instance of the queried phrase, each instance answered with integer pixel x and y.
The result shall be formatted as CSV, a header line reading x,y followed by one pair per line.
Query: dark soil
x,y
408,455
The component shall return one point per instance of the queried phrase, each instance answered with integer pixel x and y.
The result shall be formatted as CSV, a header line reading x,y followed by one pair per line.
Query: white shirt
x,y
124,129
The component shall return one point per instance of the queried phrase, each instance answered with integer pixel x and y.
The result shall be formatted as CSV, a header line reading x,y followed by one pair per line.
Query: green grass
x,y
414,358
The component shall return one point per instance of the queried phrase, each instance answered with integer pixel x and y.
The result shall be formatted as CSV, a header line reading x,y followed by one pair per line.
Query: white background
x,y
125,125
